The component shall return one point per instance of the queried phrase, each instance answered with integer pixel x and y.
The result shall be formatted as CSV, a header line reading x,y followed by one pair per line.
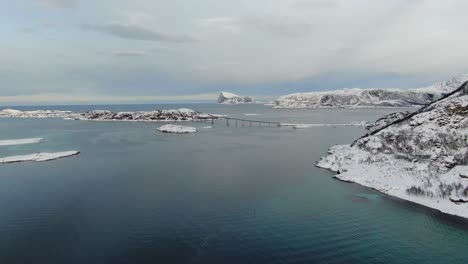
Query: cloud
x,y
62,3
279,25
60,98
137,32
252,46
27,30
129,53
222,24
315,4
283,26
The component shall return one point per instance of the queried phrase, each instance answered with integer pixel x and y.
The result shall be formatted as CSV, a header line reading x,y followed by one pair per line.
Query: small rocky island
x,y
230,98
420,157
177,129
182,114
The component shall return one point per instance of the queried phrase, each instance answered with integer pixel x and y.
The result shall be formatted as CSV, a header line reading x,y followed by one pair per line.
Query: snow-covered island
x,y
181,114
230,98
357,97
23,141
176,129
420,157
39,157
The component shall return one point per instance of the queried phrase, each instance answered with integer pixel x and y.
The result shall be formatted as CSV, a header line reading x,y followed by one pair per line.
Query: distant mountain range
x,y
357,97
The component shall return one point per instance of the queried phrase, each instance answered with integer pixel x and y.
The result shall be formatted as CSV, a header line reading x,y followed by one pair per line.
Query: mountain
x,y
357,97
420,157
230,98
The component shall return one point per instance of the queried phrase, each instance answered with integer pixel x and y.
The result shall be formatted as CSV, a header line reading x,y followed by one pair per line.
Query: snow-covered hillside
x,y
230,98
370,97
421,156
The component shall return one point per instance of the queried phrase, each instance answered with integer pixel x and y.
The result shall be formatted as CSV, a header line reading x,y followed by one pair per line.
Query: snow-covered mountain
x,y
357,97
421,156
230,98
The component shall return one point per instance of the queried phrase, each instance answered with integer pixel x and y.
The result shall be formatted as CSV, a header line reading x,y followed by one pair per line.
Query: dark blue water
x,y
222,195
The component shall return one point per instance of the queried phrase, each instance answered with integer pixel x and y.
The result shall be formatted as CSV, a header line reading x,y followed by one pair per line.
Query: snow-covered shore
x,y
395,177
181,114
23,141
298,125
41,156
419,157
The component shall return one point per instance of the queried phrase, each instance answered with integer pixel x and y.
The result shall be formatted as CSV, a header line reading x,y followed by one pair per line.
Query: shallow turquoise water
x,y
222,195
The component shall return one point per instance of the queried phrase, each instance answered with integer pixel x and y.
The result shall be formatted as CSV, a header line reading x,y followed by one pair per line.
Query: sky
x,y
145,51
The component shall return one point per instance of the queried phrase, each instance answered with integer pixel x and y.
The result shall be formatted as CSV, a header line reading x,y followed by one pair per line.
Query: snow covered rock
x,y
230,98
41,156
177,129
357,97
12,142
419,156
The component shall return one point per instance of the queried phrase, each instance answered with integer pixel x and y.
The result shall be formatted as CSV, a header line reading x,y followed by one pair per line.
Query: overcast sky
x,y
122,51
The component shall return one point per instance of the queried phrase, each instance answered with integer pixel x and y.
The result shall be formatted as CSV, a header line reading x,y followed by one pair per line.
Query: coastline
x,y
390,177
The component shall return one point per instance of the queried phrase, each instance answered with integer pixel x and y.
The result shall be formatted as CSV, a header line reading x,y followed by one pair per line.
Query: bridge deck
x,y
250,121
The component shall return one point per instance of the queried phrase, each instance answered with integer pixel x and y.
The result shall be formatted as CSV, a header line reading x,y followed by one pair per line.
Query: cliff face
x,y
230,98
370,97
420,156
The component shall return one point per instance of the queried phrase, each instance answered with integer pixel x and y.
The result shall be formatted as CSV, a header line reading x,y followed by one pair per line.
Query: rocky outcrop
x,y
230,98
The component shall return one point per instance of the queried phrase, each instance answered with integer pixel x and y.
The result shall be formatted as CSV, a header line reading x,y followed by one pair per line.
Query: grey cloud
x,y
137,32
308,4
129,53
283,26
27,30
62,3
279,25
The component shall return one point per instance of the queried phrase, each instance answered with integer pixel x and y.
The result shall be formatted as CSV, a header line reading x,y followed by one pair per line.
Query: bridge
x,y
246,122
249,122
